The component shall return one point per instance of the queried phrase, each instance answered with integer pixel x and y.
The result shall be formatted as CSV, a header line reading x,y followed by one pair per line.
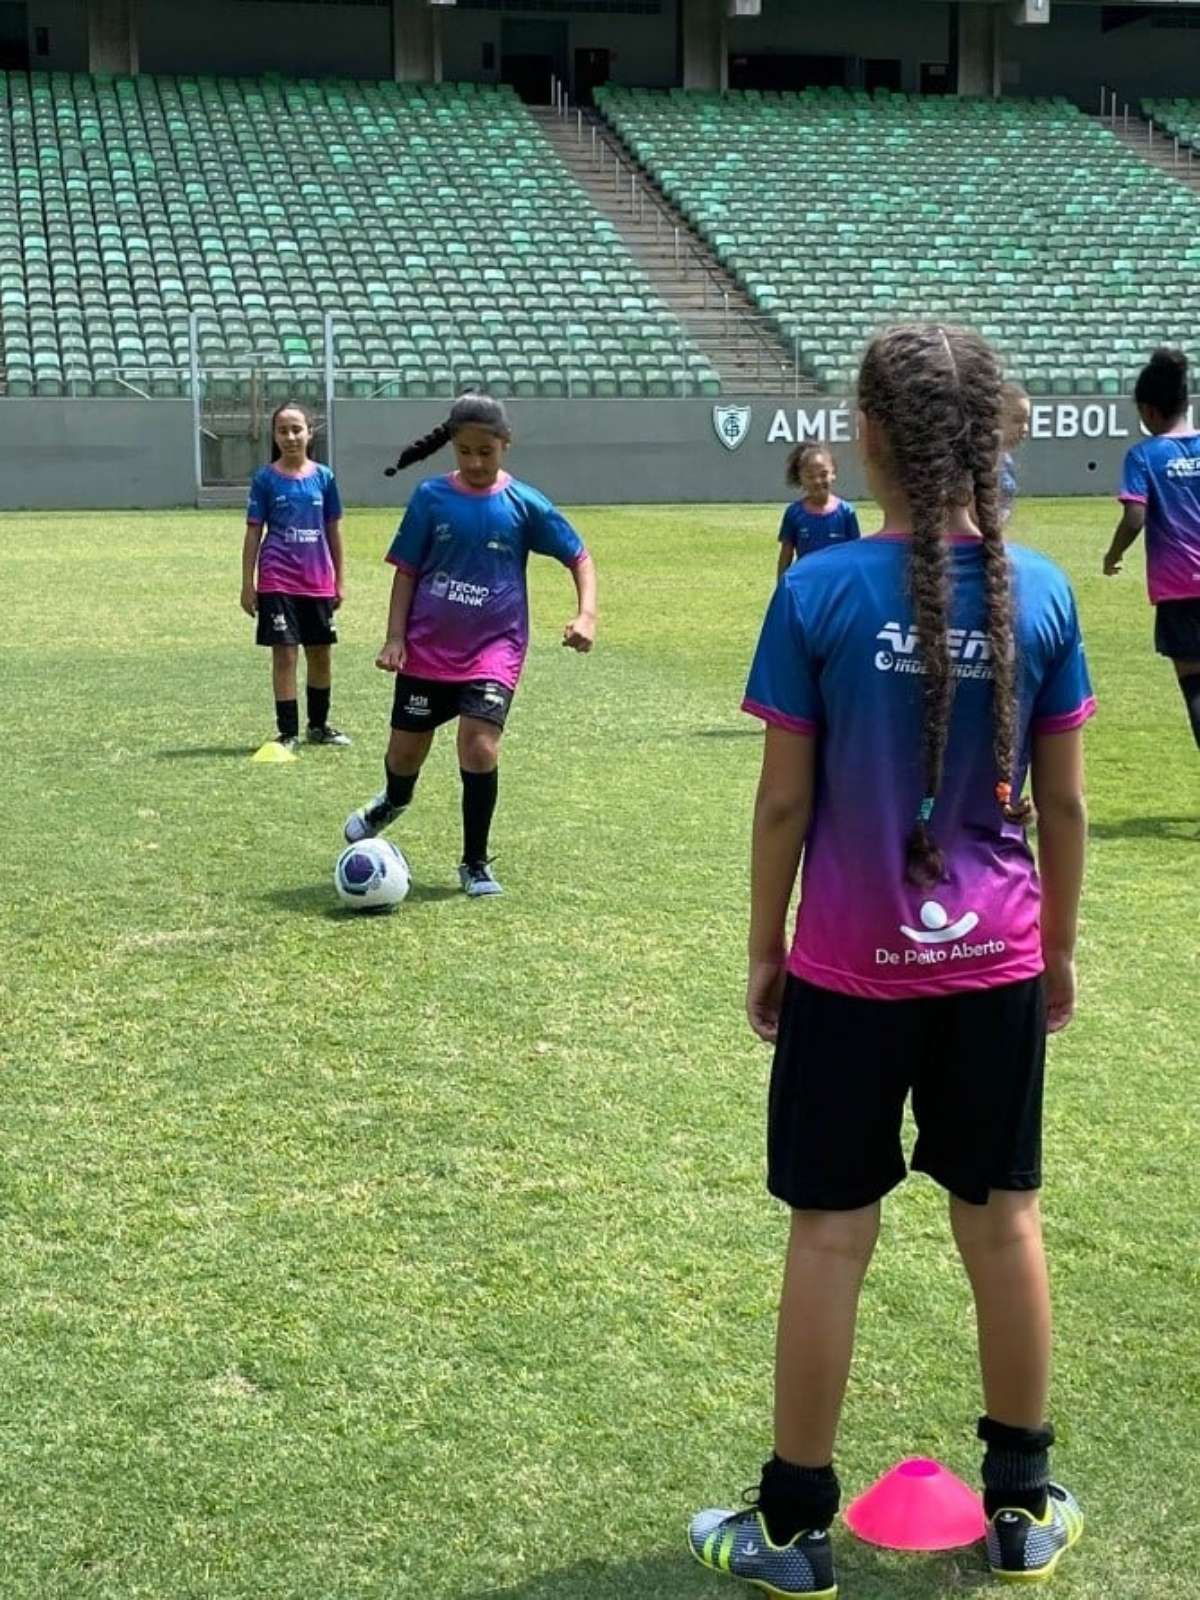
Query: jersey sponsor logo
x,y
441,532
301,535
417,705
1184,467
970,651
939,940
731,425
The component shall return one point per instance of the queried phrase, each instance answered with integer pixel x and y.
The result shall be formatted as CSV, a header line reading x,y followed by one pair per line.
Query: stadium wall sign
x,y
118,453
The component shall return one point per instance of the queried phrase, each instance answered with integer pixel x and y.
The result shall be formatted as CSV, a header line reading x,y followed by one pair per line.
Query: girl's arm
x,y
391,656
782,813
333,537
250,544
580,633
1062,845
1133,520
786,557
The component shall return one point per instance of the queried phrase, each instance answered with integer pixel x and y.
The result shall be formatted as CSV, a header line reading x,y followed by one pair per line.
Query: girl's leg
x,y
1001,1248
1189,682
406,753
283,680
478,761
827,1259
318,662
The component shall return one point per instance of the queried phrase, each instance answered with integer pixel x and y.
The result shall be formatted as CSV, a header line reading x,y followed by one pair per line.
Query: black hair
x,y
289,405
800,455
936,394
478,410
1163,383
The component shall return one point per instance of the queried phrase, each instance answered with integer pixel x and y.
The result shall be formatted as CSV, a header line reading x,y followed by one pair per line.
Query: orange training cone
x,y
918,1505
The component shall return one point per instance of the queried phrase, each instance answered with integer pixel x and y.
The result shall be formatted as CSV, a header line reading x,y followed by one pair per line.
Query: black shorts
x,y
422,704
844,1067
295,619
1177,629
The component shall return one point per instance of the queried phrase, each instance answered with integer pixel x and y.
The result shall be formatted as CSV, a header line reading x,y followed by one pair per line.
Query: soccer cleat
x,y
477,879
1023,1549
327,735
737,1543
371,819
288,741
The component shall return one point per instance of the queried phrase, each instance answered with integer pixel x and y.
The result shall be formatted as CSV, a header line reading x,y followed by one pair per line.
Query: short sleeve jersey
x,y
1163,474
1008,485
294,556
468,551
838,660
806,530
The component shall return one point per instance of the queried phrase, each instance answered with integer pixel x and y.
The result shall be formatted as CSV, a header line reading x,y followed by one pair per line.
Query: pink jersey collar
x,y
502,482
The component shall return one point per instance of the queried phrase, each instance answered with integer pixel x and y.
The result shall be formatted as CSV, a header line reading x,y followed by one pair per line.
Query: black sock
x,y
1016,1467
796,1499
287,718
480,790
399,786
1191,699
318,706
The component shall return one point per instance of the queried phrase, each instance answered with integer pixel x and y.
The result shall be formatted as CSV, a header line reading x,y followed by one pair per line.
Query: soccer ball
x,y
371,875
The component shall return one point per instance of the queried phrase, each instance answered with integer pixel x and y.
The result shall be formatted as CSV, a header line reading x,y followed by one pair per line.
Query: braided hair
x,y
936,394
478,409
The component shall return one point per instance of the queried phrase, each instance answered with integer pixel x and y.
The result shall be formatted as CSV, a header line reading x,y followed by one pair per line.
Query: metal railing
x,y
689,259
1115,112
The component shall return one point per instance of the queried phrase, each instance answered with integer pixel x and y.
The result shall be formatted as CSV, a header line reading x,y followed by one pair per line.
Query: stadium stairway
x,y
719,318
1155,146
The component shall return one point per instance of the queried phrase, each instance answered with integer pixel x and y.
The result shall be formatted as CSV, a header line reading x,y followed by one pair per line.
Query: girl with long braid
x,y
458,623
909,682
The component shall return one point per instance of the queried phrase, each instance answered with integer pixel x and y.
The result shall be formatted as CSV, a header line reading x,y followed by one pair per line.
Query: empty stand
x,y
433,222
841,212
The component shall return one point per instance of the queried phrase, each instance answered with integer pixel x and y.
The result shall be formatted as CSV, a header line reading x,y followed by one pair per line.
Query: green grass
x,y
344,1259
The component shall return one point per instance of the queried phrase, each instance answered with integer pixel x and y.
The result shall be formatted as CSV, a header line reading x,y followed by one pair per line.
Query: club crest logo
x,y
731,425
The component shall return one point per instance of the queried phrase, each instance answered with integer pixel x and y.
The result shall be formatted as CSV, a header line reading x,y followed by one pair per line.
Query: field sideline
x,y
345,1259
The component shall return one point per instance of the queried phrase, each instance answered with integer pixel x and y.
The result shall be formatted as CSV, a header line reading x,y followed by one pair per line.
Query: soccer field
x,y
348,1258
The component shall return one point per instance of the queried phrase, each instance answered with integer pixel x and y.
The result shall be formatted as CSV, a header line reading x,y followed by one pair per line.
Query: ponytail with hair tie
x,y
471,409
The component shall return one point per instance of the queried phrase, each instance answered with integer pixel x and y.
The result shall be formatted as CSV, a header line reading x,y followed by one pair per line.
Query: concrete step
x,y
222,497
1156,148
710,305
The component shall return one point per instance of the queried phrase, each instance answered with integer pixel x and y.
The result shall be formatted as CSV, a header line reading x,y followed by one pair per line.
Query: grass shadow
x,y
205,752
866,1571
319,900
1182,830
750,731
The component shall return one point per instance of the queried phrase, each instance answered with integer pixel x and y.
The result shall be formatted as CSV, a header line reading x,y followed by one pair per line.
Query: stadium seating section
x,y
434,221
842,211
1179,118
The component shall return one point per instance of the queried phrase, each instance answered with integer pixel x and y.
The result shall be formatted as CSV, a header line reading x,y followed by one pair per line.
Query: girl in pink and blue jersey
x,y
1160,492
908,689
818,518
292,578
458,624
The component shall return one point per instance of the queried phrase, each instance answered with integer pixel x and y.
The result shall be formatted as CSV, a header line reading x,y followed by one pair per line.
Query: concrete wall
x,y
132,453
862,28
643,47
645,451
66,22
101,454
241,37
1072,56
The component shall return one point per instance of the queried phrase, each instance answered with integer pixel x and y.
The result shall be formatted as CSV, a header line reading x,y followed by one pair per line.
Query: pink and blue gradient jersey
x,y
468,550
294,555
807,530
1163,474
838,660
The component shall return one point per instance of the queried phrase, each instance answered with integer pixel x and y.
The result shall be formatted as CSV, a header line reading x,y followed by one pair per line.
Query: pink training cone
x,y
918,1505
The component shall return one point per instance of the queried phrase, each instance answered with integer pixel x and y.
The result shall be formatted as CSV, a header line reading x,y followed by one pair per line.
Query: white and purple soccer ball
x,y
371,875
